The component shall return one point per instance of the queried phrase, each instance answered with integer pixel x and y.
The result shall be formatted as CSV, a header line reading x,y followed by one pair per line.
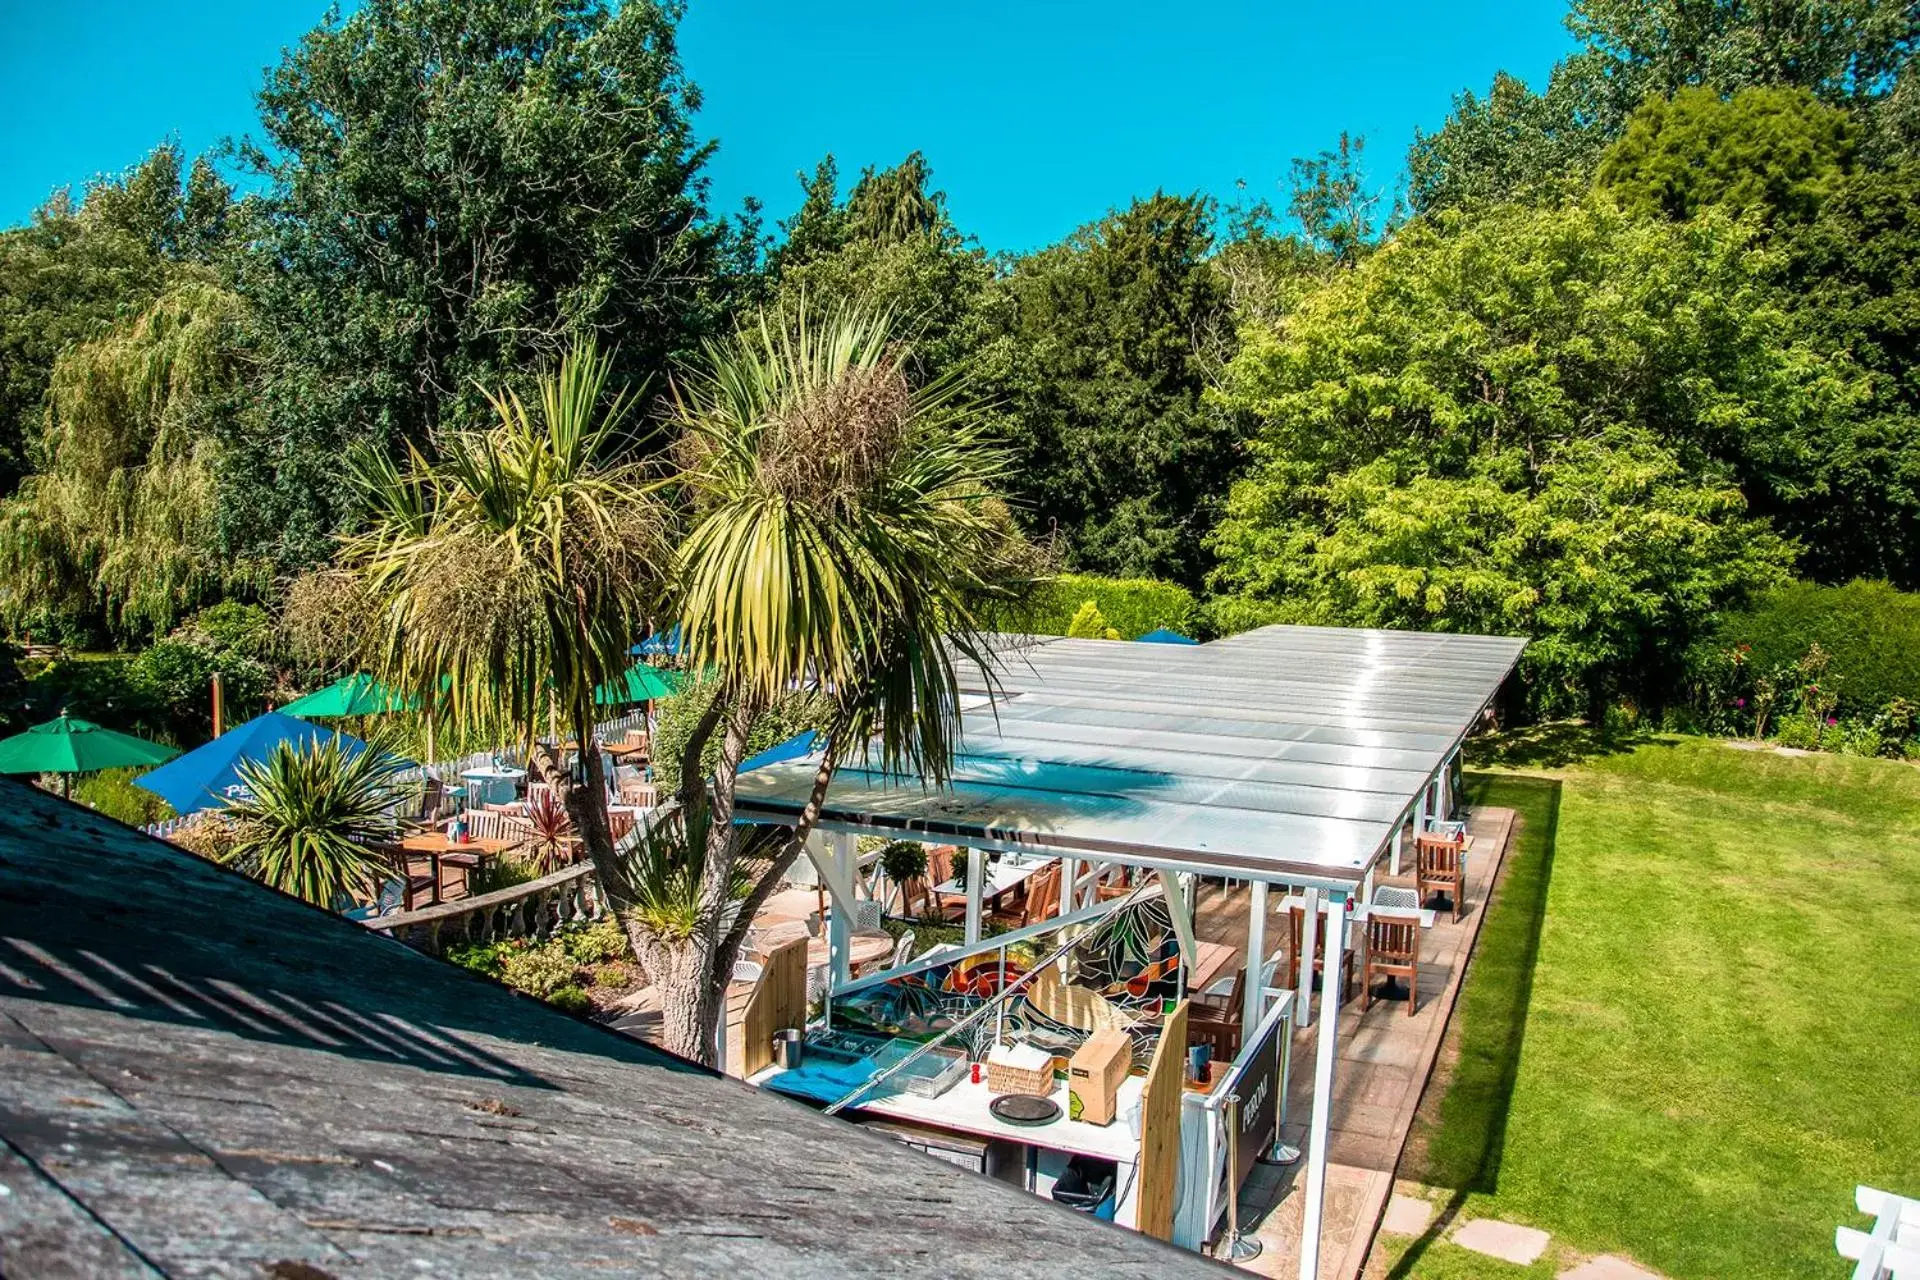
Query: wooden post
x,y
219,708
1160,1128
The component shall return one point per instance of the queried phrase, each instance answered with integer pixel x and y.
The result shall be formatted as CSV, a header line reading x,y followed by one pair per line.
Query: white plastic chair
x,y
902,950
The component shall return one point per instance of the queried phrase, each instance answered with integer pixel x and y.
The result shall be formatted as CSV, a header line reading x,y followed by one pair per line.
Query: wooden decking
x,y
1385,1058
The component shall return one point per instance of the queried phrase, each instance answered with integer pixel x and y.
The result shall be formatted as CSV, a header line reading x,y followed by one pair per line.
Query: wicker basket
x,y
1020,1068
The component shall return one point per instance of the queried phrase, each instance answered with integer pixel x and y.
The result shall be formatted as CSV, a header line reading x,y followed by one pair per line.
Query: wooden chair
x,y
1219,1032
917,896
1113,887
1393,951
1441,866
414,874
1296,923
1041,901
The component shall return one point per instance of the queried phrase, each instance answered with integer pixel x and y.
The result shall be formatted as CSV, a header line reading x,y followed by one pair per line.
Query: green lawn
x,y
1693,1020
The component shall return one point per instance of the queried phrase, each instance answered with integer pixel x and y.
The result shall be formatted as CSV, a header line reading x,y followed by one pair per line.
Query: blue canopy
x,y
794,748
667,642
200,779
1164,636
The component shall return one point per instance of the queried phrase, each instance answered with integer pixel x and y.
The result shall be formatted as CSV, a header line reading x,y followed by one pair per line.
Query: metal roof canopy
x,y
1287,753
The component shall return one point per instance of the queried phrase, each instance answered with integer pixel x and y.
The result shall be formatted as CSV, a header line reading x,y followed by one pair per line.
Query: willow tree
x,y
122,520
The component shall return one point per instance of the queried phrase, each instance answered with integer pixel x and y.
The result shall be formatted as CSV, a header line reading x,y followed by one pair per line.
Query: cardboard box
x,y
1094,1075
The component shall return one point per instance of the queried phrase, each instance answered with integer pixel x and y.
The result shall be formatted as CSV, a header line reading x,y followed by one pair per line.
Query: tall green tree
x,y
1117,456
80,265
120,527
1853,278
839,528
1773,151
1511,144
890,245
1549,421
457,189
1332,203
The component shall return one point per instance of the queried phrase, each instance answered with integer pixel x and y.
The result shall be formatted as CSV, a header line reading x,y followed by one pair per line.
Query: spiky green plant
x,y
507,575
845,536
312,815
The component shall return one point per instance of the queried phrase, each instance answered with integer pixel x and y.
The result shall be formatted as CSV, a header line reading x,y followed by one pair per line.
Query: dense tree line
x,y
1630,346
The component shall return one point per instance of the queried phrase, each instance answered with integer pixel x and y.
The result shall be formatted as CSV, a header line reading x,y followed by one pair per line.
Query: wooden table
x,y
1211,962
862,950
1003,877
439,851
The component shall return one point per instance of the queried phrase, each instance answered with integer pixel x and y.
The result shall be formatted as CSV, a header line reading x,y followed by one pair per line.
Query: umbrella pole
x,y
66,786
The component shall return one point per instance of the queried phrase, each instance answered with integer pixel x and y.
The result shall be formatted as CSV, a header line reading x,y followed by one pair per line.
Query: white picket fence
x,y
605,731
1891,1251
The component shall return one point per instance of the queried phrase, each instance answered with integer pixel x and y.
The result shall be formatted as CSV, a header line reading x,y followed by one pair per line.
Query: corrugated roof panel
x,y
1286,750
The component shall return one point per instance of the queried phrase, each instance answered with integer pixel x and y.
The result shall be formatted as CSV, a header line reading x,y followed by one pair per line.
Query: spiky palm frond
x,y
665,871
845,529
313,811
511,572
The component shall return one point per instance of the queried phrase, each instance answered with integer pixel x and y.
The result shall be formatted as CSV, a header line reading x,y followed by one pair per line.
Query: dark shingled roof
x,y
199,1076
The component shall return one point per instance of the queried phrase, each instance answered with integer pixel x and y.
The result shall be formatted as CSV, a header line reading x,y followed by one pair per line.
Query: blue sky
x,y
1036,117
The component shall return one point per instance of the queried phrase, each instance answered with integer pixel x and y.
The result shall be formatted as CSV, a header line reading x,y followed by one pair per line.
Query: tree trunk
x,y
689,1003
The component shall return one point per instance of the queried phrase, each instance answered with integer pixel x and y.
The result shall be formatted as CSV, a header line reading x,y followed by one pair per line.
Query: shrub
x,y
1131,606
495,874
1799,730
1869,631
211,834
794,714
539,969
598,942
112,792
903,860
571,999
1230,615
1857,738
1091,624
612,975
481,957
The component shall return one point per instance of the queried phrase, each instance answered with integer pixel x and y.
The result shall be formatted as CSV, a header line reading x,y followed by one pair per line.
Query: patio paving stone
x,y
1507,1241
1408,1216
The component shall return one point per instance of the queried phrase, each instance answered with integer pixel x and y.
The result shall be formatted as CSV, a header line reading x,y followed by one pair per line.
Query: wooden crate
x,y
1019,1068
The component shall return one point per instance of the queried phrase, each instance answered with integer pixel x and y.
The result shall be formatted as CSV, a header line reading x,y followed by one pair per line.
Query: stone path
x,y
1411,1214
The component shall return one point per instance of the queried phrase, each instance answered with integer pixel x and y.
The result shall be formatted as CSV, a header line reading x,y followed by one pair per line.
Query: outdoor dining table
x,y
1003,877
438,850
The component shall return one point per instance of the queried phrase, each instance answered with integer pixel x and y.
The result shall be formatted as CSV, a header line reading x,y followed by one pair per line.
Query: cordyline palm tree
x,y
845,535
311,815
507,575
842,534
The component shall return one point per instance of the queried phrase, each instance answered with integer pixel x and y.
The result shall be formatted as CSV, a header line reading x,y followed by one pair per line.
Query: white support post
x,y
1303,996
1366,886
1318,1126
1422,810
1179,891
1443,791
976,882
1399,831
840,845
1069,886
1251,986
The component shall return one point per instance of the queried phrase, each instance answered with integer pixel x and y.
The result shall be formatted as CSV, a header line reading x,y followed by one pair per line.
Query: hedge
x,y
1870,631
1131,606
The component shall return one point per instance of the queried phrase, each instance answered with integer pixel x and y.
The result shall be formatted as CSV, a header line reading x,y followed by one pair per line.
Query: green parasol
x,y
359,695
67,746
641,683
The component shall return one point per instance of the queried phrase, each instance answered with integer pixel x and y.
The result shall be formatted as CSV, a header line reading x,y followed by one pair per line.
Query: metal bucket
x,y
789,1049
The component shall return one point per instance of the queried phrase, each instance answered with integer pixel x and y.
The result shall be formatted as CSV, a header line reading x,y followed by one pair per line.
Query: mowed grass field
x,y
1693,1020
